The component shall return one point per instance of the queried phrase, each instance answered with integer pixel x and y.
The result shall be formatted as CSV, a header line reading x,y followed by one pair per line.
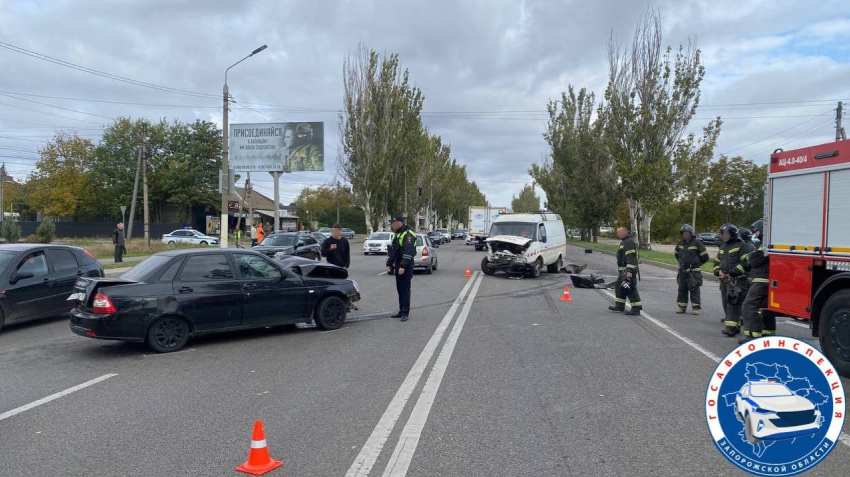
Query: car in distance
x,y
426,254
709,238
189,236
320,237
771,411
326,231
447,236
173,296
378,242
459,234
300,244
38,279
348,234
436,237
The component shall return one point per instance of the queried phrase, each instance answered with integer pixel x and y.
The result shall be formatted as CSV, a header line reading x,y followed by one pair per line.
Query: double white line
x,y
406,447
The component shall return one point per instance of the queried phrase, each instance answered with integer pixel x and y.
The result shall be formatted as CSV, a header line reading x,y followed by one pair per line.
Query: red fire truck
x,y
808,241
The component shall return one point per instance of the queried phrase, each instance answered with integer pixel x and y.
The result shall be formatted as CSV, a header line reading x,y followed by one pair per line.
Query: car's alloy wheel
x,y
167,334
171,242
330,314
204,243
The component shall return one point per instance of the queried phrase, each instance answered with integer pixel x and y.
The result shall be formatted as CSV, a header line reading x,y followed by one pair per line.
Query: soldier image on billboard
x,y
307,148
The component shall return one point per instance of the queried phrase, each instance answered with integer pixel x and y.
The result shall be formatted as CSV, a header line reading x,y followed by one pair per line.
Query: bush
x,y
11,231
46,231
32,239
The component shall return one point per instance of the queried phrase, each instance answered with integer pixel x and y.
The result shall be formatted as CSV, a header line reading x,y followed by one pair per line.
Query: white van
x,y
525,243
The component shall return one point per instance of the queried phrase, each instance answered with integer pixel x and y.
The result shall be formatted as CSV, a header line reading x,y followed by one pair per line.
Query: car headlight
x,y
356,287
760,410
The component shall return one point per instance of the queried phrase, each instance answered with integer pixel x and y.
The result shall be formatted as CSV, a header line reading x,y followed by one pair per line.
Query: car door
x,y
64,271
28,287
269,293
209,292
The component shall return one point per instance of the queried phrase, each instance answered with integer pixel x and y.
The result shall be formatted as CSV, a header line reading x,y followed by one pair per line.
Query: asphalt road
x,y
492,376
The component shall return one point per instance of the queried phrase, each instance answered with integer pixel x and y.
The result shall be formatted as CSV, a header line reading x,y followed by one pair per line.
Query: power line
x,y
57,107
776,134
41,124
131,103
49,114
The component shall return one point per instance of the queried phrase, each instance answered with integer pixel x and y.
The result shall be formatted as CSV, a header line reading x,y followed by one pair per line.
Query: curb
x,y
705,275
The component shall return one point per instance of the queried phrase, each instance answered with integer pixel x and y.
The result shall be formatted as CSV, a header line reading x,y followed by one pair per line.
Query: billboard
x,y
277,147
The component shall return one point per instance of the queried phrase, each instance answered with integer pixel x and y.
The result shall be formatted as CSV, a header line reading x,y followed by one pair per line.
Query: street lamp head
x,y
258,50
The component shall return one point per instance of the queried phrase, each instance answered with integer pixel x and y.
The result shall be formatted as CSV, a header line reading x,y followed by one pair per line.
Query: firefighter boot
x,y
680,310
730,331
695,310
633,312
616,309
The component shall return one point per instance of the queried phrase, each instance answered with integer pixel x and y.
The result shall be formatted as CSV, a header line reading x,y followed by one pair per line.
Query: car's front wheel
x,y
171,242
330,314
748,431
485,267
536,268
168,334
204,243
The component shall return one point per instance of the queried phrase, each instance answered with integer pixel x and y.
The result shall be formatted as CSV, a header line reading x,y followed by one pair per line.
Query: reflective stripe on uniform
x,y
733,250
636,303
705,252
619,300
744,256
683,305
631,266
740,267
731,324
630,251
693,247
769,332
761,280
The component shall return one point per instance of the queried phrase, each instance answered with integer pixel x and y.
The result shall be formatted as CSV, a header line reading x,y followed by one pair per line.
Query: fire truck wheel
x,y
834,331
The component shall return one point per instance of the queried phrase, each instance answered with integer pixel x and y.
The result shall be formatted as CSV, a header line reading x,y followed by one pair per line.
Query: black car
x,y
299,244
437,237
37,279
709,238
172,296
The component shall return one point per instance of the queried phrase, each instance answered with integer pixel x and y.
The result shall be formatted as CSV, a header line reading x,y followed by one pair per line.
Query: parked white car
x,y
189,236
771,411
525,243
378,242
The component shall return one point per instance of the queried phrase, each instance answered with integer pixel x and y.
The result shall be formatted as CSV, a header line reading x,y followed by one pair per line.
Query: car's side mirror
x,y
16,277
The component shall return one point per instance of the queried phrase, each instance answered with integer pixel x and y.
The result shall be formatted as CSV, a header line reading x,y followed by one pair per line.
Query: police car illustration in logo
x,y
775,406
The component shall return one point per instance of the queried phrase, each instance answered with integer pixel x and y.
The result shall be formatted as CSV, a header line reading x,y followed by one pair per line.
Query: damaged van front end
x,y
506,253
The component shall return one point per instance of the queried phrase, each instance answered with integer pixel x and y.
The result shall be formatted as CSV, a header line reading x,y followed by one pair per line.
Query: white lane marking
x,y
409,440
382,273
370,451
794,323
45,400
844,438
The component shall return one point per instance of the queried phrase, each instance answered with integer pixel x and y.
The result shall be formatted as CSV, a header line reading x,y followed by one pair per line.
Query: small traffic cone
x,y
468,273
566,296
259,462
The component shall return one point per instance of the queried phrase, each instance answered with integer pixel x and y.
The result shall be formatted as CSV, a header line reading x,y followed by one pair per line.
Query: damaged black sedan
x,y
175,295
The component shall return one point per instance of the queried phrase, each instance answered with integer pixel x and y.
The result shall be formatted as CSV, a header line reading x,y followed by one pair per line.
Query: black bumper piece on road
x,y
510,267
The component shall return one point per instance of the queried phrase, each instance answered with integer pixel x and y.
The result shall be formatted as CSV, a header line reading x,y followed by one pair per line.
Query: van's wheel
x,y
834,331
330,314
557,266
536,268
168,334
429,269
485,267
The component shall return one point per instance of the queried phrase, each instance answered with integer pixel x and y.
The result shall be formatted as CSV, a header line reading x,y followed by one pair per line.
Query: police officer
x,y
400,261
729,267
627,267
691,254
756,323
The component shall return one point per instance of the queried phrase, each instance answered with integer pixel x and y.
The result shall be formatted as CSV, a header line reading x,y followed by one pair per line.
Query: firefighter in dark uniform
x,y
729,267
400,262
627,275
691,254
756,323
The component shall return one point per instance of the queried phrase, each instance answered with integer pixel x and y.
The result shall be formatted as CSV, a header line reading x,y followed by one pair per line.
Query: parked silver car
x,y
426,254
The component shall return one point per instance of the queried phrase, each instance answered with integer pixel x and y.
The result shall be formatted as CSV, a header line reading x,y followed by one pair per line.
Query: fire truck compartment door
x,y
790,290
796,213
838,217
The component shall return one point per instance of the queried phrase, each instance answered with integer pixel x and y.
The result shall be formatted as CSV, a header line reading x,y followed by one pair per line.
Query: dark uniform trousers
x,y
630,293
689,282
736,293
754,323
403,284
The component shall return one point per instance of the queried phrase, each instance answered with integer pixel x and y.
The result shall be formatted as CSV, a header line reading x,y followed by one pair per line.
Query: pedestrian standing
x,y
336,248
253,235
261,235
238,236
266,229
691,255
627,273
400,262
119,242
729,267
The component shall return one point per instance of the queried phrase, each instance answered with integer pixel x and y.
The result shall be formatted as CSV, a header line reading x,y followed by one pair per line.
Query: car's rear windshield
x,y
770,390
280,241
146,268
381,236
516,229
5,258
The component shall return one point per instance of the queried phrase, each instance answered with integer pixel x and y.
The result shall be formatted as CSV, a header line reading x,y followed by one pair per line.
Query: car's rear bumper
x,y
104,327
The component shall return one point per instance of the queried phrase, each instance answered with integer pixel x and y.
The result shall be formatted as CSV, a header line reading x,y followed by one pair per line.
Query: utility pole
x,y
337,201
276,176
147,212
249,189
224,166
3,192
839,129
132,217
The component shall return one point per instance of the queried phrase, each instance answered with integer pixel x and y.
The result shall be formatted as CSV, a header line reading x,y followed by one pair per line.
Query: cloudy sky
x,y
775,69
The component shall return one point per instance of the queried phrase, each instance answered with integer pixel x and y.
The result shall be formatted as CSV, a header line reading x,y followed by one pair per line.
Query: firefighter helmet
x,y
745,234
758,226
733,231
687,228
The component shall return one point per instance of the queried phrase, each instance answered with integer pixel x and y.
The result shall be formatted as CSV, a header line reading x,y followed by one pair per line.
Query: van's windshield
x,y
516,229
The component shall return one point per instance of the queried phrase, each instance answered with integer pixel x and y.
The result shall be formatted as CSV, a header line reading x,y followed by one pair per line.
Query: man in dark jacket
x,y
627,266
756,323
729,267
691,254
119,242
336,249
400,257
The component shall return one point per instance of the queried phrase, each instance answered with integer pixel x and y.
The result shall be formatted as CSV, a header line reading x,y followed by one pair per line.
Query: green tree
x,y
692,161
734,193
10,231
526,201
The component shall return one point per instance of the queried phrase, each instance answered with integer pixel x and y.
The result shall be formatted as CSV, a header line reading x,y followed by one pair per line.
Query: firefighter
x,y
400,257
729,267
627,266
691,254
756,322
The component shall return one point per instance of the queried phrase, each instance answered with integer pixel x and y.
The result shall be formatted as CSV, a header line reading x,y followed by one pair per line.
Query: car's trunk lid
x,y
85,289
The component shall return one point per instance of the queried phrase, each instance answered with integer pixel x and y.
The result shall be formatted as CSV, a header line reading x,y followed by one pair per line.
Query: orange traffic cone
x,y
468,273
566,295
259,462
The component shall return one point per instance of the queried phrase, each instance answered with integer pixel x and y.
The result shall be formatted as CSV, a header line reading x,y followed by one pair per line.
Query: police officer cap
x,y
687,228
758,226
398,218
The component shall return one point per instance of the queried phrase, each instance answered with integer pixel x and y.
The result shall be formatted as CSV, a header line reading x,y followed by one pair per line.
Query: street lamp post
x,y
225,167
